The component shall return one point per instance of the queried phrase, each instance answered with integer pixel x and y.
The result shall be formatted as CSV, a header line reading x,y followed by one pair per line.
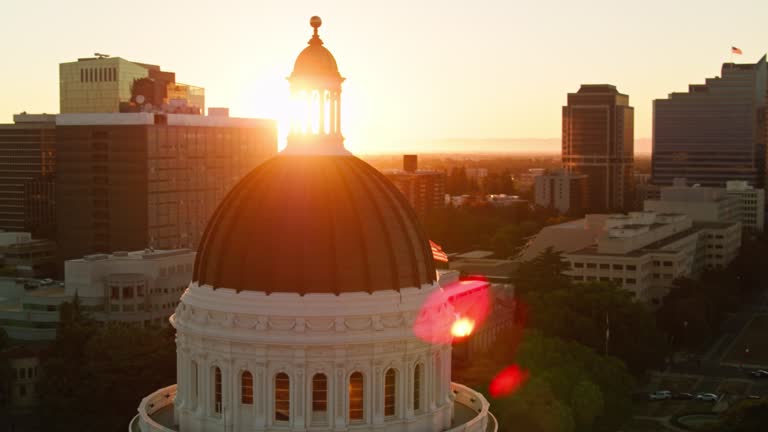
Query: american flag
x,y
735,50
437,252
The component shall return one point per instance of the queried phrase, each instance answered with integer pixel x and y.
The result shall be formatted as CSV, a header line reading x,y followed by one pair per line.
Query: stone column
x,y
377,394
339,398
297,401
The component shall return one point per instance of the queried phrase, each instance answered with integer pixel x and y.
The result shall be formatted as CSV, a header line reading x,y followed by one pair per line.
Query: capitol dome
x,y
314,224
309,283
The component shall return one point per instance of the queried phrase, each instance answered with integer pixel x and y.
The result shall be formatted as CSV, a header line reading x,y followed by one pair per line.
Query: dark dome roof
x,y
315,61
314,224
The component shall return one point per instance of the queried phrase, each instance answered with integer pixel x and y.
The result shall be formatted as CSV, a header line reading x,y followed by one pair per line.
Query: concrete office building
x,y
566,192
105,84
27,170
23,256
424,189
751,203
716,131
737,202
128,180
598,141
141,287
643,251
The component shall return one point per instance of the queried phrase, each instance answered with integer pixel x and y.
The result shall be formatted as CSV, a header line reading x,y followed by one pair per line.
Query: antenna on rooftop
x,y
100,55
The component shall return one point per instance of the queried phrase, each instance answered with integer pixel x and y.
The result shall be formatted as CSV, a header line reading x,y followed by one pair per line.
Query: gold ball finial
x,y
315,22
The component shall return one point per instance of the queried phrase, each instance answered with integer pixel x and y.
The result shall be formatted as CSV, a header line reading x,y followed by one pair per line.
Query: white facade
x,y
643,251
141,287
751,203
737,202
249,361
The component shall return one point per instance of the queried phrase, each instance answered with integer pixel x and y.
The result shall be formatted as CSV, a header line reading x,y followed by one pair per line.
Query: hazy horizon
x,y
486,146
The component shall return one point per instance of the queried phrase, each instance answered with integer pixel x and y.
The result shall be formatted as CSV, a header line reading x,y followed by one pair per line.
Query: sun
x,y
462,327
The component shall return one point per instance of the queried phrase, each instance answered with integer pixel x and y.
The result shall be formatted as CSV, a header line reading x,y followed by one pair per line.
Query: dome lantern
x,y
315,100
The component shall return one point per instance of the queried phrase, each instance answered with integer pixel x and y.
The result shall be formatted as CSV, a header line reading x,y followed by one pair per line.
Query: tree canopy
x,y
570,387
95,376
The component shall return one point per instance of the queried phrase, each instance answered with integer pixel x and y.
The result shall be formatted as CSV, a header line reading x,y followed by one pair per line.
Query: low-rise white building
x,y
737,202
751,203
643,251
141,287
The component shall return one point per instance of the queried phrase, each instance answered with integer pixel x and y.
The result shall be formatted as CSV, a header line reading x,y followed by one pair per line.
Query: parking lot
x,y
731,387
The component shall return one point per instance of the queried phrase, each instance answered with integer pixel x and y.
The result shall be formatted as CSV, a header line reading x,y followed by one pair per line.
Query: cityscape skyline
x,y
453,90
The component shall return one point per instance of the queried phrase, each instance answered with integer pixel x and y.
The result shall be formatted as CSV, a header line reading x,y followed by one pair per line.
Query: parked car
x,y
660,395
707,397
682,396
760,373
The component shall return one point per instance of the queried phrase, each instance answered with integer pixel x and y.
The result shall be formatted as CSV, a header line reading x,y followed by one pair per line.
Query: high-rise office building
x,y
113,84
27,169
126,181
598,140
424,189
716,131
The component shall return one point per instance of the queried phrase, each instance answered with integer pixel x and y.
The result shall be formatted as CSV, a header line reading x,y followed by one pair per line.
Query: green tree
x,y
559,372
587,405
544,273
582,312
116,365
6,373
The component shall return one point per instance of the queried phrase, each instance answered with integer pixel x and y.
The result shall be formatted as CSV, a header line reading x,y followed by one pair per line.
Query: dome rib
x,y
314,224
381,223
366,276
407,211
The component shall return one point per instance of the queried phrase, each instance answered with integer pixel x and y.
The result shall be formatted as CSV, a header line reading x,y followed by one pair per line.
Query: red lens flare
x,y
507,381
456,310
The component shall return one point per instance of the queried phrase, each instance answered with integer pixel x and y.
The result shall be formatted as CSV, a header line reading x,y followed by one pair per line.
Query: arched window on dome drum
x,y
390,389
193,382
282,397
417,378
356,397
217,390
319,398
246,388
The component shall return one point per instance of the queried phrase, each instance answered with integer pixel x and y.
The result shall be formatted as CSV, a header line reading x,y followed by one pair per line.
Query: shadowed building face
x,y
598,140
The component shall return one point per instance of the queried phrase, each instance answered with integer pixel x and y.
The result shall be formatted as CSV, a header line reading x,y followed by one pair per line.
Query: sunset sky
x,y
416,70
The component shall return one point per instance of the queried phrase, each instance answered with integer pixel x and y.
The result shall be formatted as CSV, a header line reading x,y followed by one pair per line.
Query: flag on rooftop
x,y
437,252
735,50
